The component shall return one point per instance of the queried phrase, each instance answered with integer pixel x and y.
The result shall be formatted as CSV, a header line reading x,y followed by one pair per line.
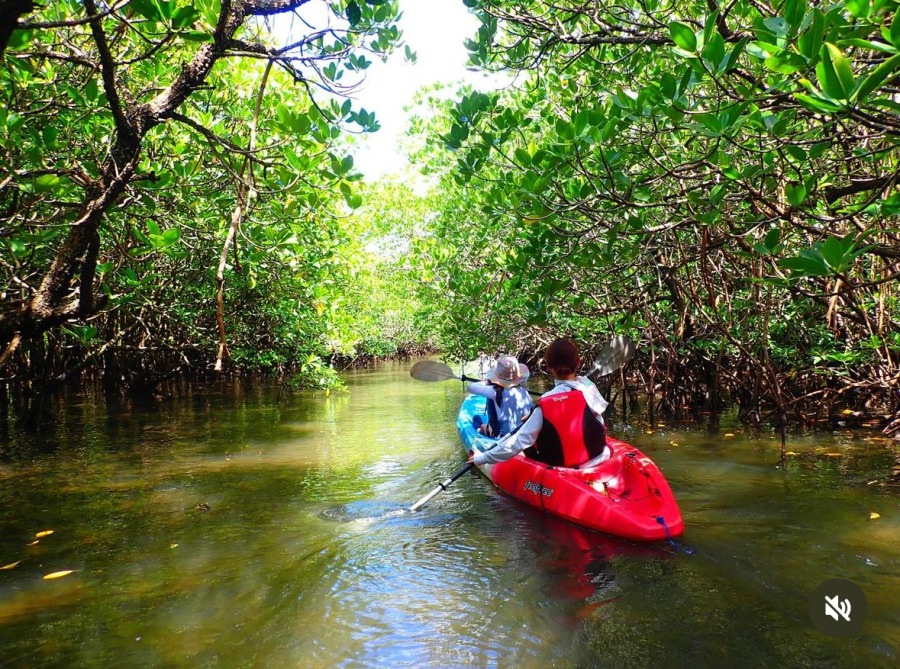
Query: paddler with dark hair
x,y
566,429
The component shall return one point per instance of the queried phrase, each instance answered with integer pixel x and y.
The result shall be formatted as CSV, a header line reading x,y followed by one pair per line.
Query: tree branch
x,y
246,192
205,132
108,70
833,193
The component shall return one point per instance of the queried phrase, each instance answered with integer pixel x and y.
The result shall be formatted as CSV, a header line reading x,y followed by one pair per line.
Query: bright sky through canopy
x,y
435,30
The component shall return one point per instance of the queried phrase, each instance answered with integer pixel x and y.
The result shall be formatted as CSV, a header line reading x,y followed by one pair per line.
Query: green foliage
x,y
830,257
314,373
687,174
382,303
292,282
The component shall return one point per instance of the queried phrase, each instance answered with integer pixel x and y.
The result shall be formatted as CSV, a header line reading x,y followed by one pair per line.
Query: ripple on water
x,y
362,510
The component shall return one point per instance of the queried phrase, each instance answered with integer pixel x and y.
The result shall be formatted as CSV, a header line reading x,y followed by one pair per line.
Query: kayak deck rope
x,y
624,495
684,549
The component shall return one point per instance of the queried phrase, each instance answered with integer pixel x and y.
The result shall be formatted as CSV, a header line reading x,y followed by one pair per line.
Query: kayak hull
x,y
626,496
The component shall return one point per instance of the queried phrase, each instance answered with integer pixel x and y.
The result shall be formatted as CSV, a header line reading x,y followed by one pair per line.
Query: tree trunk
x,y
61,296
10,11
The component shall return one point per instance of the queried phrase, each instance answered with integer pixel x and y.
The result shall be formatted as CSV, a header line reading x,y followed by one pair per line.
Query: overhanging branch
x,y
108,70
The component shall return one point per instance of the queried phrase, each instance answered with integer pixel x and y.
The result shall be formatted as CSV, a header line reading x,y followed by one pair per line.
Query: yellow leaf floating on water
x,y
847,412
729,434
36,541
42,534
834,455
58,574
11,565
673,443
873,515
174,546
790,453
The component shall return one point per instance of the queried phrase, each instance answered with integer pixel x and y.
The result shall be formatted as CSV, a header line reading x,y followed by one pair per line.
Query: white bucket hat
x,y
508,372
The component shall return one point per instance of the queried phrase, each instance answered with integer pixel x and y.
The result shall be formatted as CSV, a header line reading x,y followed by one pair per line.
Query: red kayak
x,y
627,495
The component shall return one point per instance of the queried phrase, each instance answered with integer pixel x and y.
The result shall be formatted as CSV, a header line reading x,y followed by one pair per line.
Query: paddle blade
x,y
614,355
430,370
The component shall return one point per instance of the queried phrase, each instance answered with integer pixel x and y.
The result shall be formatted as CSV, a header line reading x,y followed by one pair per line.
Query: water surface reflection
x,y
226,528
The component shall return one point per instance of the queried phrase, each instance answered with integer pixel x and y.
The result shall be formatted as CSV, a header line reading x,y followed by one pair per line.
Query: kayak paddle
x,y
465,468
431,370
614,355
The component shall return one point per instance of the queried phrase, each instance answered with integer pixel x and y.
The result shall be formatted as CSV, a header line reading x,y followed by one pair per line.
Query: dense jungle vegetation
x,y
178,197
716,180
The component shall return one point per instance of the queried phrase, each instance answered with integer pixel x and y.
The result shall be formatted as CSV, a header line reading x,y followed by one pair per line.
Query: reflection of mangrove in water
x,y
216,418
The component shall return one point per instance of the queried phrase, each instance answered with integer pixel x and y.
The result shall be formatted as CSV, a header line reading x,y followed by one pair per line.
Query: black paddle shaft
x,y
466,468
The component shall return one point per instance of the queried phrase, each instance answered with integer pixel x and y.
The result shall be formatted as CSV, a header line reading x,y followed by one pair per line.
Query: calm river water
x,y
227,528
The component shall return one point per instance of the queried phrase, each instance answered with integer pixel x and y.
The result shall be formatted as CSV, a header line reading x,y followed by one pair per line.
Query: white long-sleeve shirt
x,y
515,404
527,435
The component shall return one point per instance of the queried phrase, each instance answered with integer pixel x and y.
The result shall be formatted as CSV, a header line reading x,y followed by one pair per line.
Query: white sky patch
x,y
435,30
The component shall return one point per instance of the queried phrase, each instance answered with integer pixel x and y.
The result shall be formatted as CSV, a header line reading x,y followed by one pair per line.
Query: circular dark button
x,y
838,607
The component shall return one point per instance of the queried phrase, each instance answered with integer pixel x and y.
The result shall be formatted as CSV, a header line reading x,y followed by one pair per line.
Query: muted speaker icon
x,y
830,607
837,609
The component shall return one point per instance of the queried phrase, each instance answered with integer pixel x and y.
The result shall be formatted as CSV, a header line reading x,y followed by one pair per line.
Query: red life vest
x,y
571,434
